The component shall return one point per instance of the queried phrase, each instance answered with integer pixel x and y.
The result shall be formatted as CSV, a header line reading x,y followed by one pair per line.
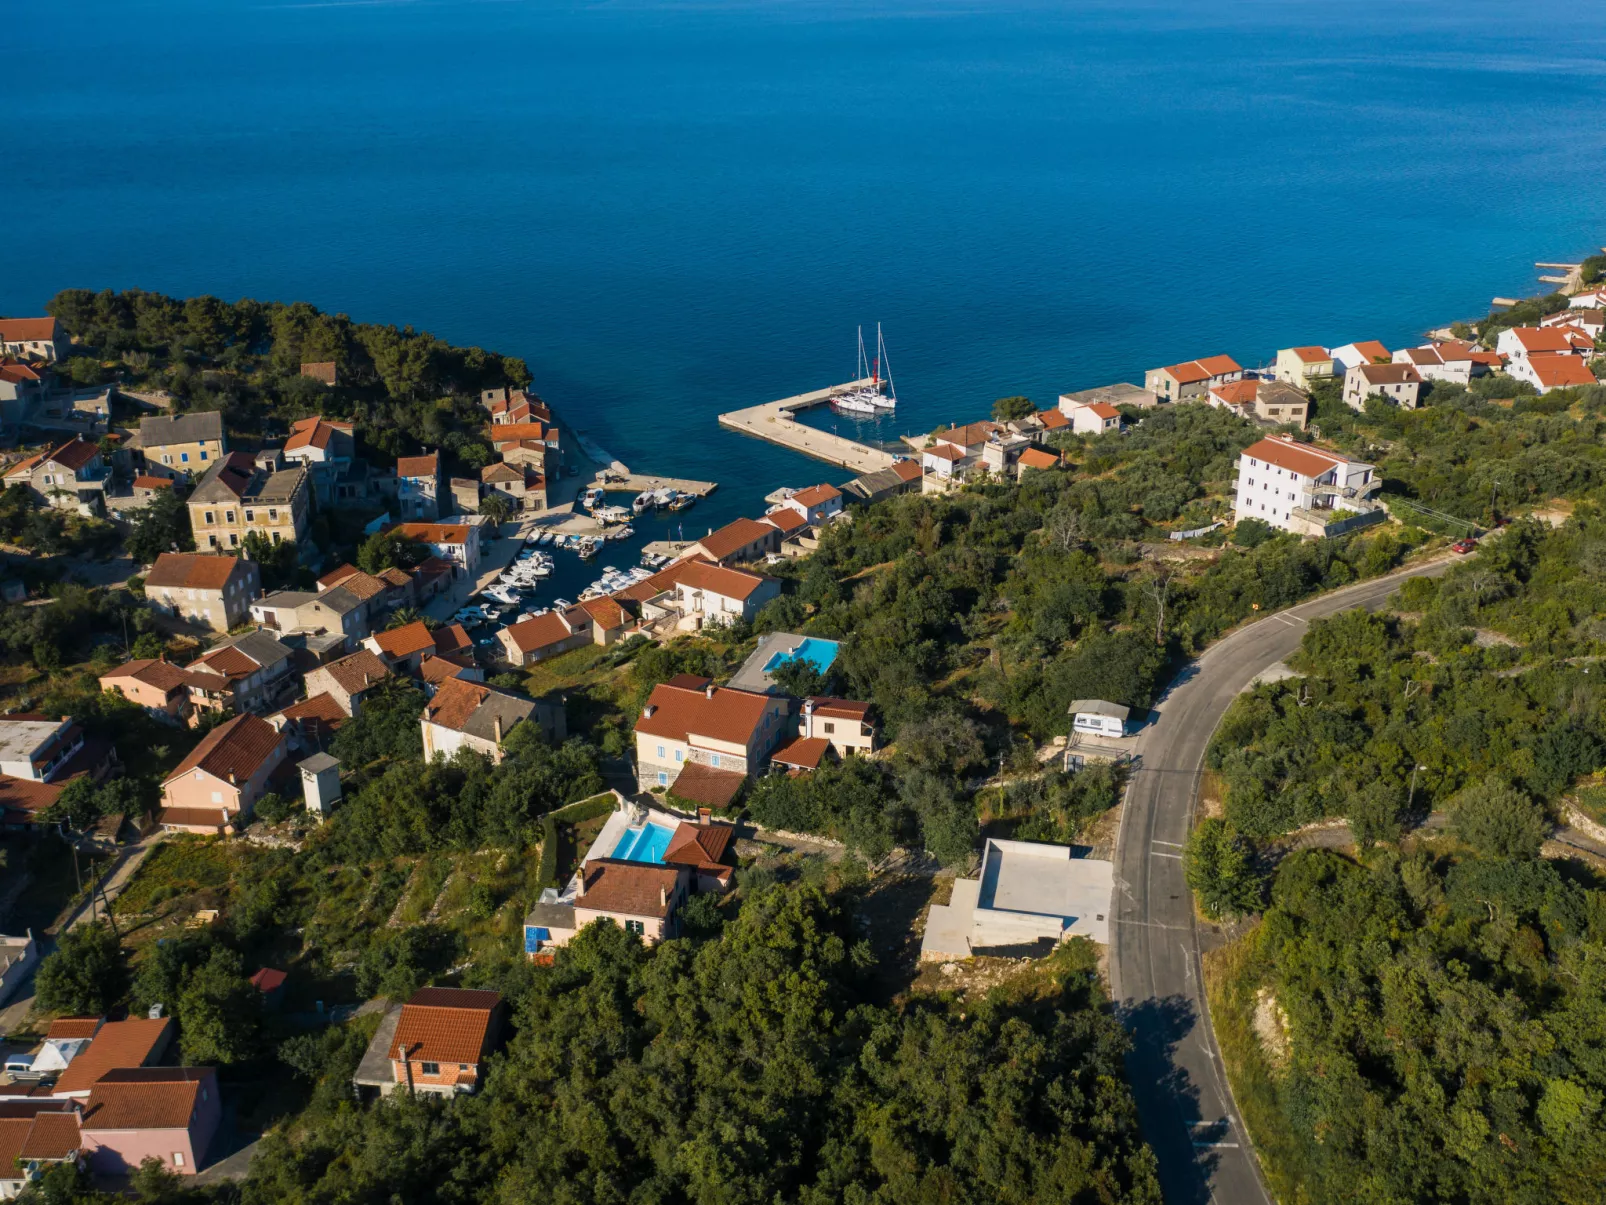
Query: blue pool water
x,y
674,209
818,653
644,844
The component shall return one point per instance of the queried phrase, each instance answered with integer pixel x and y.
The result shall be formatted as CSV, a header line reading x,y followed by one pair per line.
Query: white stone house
x,y
1304,489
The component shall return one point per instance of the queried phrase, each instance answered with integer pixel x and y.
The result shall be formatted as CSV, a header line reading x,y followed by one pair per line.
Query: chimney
x,y
709,690
646,712
702,817
663,897
582,891
496,727
234,780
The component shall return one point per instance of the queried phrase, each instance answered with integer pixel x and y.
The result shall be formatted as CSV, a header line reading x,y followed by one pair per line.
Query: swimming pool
x,y
818,653
644,844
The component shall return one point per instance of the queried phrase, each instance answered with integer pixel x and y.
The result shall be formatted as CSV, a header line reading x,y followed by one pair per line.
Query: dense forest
x,y
404,389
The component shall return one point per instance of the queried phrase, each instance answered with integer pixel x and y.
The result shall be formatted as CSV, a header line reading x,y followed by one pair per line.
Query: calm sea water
x,y
675,209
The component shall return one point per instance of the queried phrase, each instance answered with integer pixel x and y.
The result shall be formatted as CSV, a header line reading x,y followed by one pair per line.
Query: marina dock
x,y
773,421
636,483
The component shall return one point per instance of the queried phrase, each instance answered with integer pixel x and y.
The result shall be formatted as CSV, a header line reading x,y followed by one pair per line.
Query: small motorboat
x,y
683,501
644,501
620,533
591,498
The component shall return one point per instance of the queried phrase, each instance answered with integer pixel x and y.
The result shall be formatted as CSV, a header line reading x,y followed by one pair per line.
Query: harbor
x,y
774,423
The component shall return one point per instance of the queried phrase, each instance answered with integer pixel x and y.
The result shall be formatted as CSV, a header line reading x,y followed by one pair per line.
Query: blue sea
x,y
673,209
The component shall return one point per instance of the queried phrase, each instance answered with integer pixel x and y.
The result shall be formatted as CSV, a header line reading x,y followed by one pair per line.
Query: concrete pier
x,y
636,483
773,421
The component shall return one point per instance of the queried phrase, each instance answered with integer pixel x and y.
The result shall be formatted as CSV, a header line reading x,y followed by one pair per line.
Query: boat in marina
x,y
870,401
592,497
607,515
644,501
619,533
682,501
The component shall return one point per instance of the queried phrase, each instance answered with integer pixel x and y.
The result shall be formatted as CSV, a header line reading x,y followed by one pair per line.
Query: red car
x,y
1463,546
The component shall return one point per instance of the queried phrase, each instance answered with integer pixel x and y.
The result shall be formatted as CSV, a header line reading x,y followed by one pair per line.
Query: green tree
x,y
1220,869
498,508
1007,409
164,526
85,975
279,563
390,550
219,1011
1495,818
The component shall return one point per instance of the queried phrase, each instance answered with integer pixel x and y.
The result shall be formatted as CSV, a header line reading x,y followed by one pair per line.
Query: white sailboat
x,y
870,401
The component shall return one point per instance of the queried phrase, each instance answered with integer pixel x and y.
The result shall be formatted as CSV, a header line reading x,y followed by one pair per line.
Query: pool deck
x,y
751,675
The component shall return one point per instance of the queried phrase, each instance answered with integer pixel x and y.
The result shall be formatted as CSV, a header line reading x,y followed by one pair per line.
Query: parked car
x,y
1463,546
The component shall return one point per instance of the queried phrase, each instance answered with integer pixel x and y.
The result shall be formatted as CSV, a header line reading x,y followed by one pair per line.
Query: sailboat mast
x,y
881,358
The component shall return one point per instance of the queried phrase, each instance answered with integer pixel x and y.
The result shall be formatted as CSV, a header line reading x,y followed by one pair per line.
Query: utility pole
x,y
1411,798
1494,515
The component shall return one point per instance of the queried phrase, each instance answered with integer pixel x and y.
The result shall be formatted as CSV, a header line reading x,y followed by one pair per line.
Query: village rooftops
x,y
433,533
117,1044
605,613
74,1028
1191,371
815,495
715,579
159,431
803,752
543,631
1540,339
501,471
358,672
321,709
444,1025
163,675
735,536
628,888
314,433
145,1098
74,454
419,466
229,480
1304,459
1054,420
1558,371
786,520
192,570
406,640
36,1130
259,648
837,709
1388,374
477,709
517,432
233,751
688,706
971,435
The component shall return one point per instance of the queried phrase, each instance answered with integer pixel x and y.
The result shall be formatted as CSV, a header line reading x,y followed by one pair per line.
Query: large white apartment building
x,y
1305,489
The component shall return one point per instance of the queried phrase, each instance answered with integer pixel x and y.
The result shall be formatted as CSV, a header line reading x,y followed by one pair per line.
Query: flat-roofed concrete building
x,y
1028,897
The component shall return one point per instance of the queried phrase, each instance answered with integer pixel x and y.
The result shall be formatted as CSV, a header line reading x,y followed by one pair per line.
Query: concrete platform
x,y
773,421
1028,895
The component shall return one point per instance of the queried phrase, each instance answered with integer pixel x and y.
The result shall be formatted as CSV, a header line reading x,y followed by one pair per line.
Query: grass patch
x,y
1232,975
428,879
183,867
1592,802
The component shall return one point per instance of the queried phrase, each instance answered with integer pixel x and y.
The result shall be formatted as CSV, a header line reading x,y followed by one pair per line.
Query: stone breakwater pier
x,y
773,421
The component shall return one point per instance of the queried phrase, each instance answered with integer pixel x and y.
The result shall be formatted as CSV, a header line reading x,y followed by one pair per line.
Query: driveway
x,y
1184,1102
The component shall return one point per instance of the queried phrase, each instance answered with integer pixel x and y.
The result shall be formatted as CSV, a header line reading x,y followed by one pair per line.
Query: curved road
x,y
1183,1100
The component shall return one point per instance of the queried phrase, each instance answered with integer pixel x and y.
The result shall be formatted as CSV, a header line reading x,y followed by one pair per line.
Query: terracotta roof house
x,y
1367,351
182,445
522,484
70,476
1298,366
310,722
1192,378
161,689
1096,418
138,1113
1271,402
456,543
716,596
75,1027
211,589
325,372
471,715
802,753
690,721
845,723
1305,489
316,440
250,672
786,520
33,339
1519,342
817,504
223,777
543,636
403,648
442,1039
116,1044
35,1134
901,478
347,680
1550,370
1397,383
639,897
736,543
1036,458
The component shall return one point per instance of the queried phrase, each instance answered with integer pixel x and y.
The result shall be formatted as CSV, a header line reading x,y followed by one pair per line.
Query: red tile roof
x,y
152,483
27,330
1558,371
1236,393
629,888
944,452
1052,420
405,640
444,1025
1540,339
722,714
192,570
268,979
53,1136
727,583
439,669
419,466
908,470
1104,410
699,844
451,638
804,752
320,708
1297,458
118,1044
505,433
335,576
605,613
815,495
74,1027
839,709
21,797
970,435
146,1098
434,533
1371,350
160,674
734,537
703,784
1312,355
240,747
543,631
1036,458
357,672
785,519
313,433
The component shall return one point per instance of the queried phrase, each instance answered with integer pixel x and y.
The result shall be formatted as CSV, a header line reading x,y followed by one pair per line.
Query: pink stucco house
x,y
221,780
136,1113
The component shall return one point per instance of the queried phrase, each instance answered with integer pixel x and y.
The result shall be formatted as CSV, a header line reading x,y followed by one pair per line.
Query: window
x,y
636,927
660,751
209,518
462,1066
429,1068
273,513
829,727
250,516
166,459
275,537
184,457
203,453
178,1158
233,539
680,755
714,759
663,779
229,515
211,541
217,796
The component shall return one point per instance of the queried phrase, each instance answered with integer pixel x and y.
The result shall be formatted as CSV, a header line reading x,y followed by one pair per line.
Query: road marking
x,y
1156,853
1154,924
1172,844
1293,622
1229,1145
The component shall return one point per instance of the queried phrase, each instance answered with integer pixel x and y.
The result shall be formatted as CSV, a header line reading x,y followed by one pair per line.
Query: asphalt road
x,y
1184,1103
